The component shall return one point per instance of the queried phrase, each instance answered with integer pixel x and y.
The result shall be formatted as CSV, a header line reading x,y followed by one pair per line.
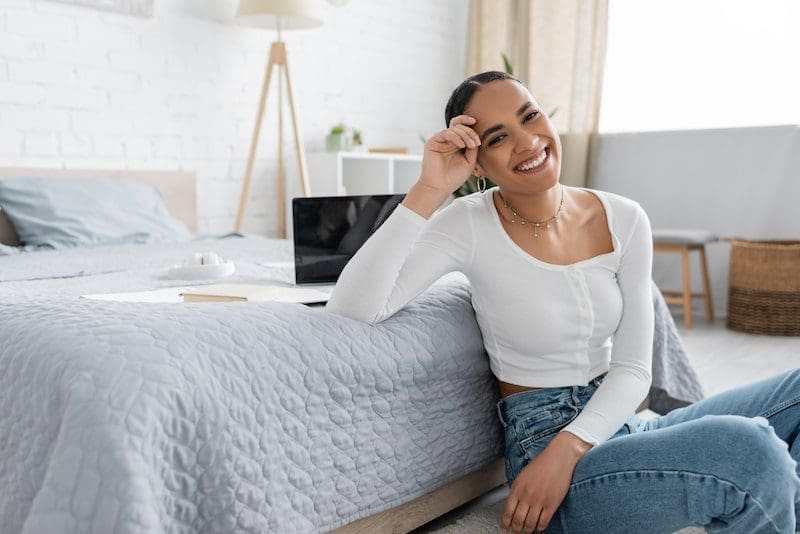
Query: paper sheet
x,y
166,294
173,294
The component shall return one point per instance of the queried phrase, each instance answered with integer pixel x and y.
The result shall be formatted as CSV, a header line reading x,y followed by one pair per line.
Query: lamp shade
x,y
293,14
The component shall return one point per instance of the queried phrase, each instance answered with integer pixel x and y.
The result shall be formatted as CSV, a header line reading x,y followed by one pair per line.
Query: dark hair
x,y
462,94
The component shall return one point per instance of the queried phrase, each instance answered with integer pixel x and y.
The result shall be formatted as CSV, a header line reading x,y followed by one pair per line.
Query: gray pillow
x,y
69,212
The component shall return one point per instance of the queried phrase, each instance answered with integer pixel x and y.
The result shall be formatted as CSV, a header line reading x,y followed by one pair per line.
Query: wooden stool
x,y
684,241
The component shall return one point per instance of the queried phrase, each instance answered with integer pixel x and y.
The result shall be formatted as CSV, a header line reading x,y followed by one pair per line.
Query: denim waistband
x,y
575,395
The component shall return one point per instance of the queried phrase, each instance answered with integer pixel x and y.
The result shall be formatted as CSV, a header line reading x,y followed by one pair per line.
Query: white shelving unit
x,y
362,173
353,173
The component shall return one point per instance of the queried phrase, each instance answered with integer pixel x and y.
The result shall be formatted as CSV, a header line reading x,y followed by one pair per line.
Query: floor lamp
x,y
286,15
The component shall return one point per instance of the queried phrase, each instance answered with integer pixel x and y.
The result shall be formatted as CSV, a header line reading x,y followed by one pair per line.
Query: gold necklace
x,y
535,224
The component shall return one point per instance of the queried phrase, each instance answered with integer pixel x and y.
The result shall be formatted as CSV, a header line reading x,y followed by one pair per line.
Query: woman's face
x,y
525,130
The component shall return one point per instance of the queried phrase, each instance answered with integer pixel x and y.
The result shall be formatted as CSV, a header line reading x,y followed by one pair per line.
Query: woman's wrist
x,y
574,447
425,199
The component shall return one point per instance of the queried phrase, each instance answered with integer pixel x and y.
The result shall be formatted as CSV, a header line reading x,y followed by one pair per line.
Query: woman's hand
x,y
450,155
541,486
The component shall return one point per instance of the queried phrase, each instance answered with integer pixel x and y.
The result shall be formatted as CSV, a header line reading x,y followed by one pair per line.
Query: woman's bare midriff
x,y
507,389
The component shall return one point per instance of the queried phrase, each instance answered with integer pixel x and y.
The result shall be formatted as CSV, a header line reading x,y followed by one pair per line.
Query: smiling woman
x,y
566,314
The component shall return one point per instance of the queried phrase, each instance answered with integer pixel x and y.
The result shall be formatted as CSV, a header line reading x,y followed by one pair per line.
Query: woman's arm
x,y
409,252
412,249
630,373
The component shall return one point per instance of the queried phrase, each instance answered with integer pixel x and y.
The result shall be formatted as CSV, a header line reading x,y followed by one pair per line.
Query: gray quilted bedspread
x,y
221,417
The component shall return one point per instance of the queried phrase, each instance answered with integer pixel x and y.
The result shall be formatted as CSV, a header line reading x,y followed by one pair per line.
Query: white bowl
x,y
201,272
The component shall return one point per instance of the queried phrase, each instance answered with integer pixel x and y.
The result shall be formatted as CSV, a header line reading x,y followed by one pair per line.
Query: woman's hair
x,y
462,94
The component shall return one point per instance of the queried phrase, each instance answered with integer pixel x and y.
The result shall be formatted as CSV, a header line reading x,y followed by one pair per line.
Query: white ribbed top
x,y
543,324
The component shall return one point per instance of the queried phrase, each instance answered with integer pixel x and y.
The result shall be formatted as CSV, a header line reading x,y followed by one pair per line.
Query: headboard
x,y
177,187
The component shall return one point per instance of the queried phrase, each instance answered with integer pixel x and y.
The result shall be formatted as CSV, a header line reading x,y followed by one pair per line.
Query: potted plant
x,y
337,139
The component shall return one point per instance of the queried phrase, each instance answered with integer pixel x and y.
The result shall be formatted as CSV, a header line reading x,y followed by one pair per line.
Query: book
x,y
254,293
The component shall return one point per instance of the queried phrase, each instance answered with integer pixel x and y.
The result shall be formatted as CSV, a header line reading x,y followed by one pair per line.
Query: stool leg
x,y
706,285
687,290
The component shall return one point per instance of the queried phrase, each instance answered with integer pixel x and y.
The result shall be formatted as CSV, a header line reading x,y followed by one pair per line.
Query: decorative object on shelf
x,y
390,150
338,139
358,144
280,15
764,287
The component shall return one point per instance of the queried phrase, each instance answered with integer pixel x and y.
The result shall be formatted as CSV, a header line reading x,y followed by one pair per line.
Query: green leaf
x,y
507,63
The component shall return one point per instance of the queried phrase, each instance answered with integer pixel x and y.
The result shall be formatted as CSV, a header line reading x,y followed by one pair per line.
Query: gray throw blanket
x,y
675,383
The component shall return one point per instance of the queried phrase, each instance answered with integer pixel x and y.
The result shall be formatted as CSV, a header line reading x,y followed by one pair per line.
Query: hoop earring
x,y
482,184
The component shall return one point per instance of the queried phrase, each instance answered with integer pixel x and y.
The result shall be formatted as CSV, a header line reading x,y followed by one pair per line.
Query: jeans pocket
x,y
536,429
515,459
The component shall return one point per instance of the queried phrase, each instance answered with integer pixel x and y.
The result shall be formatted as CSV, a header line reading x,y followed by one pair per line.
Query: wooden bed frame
x,y
177,187
413,514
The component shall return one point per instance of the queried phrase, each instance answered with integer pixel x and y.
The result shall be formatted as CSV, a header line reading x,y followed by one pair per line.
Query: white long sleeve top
x,y
543,324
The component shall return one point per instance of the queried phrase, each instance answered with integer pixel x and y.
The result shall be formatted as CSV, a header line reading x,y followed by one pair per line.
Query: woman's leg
x,y
727,473
777,399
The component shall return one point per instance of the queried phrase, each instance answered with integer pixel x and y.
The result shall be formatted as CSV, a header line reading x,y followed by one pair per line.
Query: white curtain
x,y
557,47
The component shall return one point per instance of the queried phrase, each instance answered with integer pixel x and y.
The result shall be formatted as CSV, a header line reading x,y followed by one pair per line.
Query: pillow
x,y
8,236
68,212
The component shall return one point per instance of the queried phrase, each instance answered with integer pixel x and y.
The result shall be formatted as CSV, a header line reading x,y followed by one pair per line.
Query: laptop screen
x,y
329,230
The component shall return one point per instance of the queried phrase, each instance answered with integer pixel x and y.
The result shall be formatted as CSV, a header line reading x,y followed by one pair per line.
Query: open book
x,y
255,293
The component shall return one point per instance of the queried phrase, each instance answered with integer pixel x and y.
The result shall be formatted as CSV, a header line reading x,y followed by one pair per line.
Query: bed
x,y
245,417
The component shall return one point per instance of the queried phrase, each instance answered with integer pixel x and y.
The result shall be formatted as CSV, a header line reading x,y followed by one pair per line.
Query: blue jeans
x,y
728,463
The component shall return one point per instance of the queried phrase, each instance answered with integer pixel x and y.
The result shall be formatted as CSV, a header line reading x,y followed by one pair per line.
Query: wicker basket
x,y
764,287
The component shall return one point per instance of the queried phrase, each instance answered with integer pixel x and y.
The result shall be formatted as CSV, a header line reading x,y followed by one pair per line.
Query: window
x,y
686,64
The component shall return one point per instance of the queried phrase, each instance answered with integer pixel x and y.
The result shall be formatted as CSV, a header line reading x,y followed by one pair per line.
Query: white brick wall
x,y
87,88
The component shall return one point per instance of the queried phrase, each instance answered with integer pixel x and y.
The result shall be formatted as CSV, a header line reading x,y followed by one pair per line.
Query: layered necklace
x,y
535,224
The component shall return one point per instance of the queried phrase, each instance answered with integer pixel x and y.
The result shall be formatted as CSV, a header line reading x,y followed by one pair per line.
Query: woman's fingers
x,y
460,135
454,138
520,517
469,134
465,122
519,524
462,119
508,512
464,139
544,521
533,519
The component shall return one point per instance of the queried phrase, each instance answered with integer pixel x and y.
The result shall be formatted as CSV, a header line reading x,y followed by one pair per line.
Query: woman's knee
x,y
748,444
792,377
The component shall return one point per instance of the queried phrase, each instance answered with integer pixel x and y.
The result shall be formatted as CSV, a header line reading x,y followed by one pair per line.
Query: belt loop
x,y
575,398
500,413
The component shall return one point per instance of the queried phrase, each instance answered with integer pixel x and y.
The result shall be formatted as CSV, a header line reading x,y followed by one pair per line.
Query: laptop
x,y
328,231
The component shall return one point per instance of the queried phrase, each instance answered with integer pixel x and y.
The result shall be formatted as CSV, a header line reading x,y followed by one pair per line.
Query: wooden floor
x,y
722,358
